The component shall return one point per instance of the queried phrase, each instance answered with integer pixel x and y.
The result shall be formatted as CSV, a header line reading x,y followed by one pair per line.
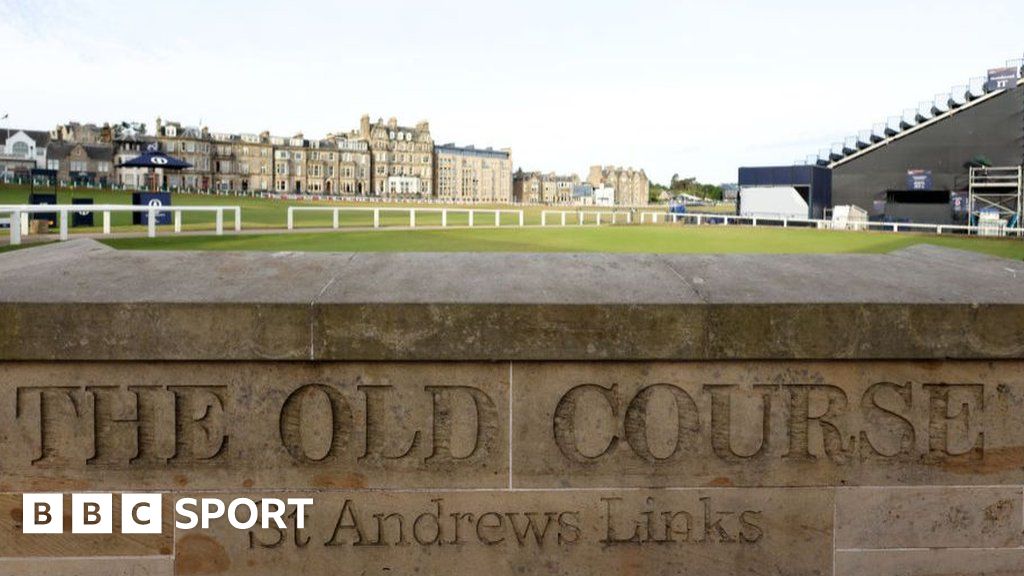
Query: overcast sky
x,y
695,88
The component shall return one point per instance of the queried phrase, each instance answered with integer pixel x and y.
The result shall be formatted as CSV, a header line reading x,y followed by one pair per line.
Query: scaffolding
x,y
996,192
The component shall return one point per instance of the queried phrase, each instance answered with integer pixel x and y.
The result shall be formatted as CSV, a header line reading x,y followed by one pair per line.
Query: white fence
x,y
581,216
337,210
830,225
19,215
732,219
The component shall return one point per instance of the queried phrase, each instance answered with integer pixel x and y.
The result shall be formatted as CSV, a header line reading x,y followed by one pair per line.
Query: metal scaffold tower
x,y
996,193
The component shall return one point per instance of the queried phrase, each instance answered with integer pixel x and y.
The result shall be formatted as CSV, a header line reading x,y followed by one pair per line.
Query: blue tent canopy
x,y
155,159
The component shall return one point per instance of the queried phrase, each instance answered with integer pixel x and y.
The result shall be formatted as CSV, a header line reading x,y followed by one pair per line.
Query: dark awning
x,y
156,160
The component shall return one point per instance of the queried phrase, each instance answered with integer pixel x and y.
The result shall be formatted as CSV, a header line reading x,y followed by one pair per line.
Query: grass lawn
x,y
266,213
652,239
10,248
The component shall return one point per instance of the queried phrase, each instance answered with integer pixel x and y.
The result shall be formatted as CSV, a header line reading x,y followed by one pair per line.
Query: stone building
x,y
255,158
129,140
472,175
632,188
241,162
354,166
225,174
321,167
193,145
78,133
289,164
401,158
540,188
81,164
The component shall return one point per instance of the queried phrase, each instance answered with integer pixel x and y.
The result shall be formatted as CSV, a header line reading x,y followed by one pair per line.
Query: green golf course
x,y
261,213
271,213
664,239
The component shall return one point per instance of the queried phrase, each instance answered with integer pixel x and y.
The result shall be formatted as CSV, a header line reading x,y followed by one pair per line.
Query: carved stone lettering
x,y
742,424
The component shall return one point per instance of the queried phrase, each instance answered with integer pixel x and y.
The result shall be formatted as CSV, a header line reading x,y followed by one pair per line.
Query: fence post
x,y
412,217
291,219
334,219
471,212
520,218
598,218
238,219
753,222
444,217
106,222
177,221
63,221
376,217
698,219
629,217
15,228
641,217
151,224
220,222
497,218
785,222
24,223
563,219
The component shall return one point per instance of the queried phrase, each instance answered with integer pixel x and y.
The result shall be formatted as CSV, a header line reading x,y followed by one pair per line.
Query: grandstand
x,y
933,162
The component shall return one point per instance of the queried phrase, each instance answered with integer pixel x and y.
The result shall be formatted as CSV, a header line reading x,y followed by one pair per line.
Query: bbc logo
x,y
91,513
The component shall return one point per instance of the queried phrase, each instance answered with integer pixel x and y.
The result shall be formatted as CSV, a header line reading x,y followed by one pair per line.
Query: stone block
x,y
709,532
173,426
767,424
947,562
14,543
929,517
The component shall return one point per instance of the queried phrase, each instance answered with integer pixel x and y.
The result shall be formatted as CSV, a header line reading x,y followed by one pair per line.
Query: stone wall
x,y
522,414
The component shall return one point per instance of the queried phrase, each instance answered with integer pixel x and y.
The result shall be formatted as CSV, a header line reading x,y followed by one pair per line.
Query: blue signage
x,y
1002,78
44,200
154,199
81,218
919,179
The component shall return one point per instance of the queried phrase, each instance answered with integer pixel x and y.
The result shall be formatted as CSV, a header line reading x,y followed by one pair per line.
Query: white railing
x,y
775,221
580,216
830,225
19,216
337,210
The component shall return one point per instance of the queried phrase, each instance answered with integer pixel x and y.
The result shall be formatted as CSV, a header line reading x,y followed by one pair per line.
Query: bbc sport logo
x,y
142,513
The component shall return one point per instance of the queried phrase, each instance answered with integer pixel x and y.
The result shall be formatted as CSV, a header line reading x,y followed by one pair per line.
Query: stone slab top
x,y
84,300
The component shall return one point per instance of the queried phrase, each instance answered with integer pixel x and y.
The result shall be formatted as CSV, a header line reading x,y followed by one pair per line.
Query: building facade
x,y
541,188
81,164
254,159
193,145
22,152
401,157
289,164
380,159
632,188
468,174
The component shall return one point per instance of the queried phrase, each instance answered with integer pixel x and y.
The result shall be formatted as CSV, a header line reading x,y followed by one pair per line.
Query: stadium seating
x,y
941,106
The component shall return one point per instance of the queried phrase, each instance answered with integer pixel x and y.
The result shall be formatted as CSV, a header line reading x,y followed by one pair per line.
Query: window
x,y
20,149
78,166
